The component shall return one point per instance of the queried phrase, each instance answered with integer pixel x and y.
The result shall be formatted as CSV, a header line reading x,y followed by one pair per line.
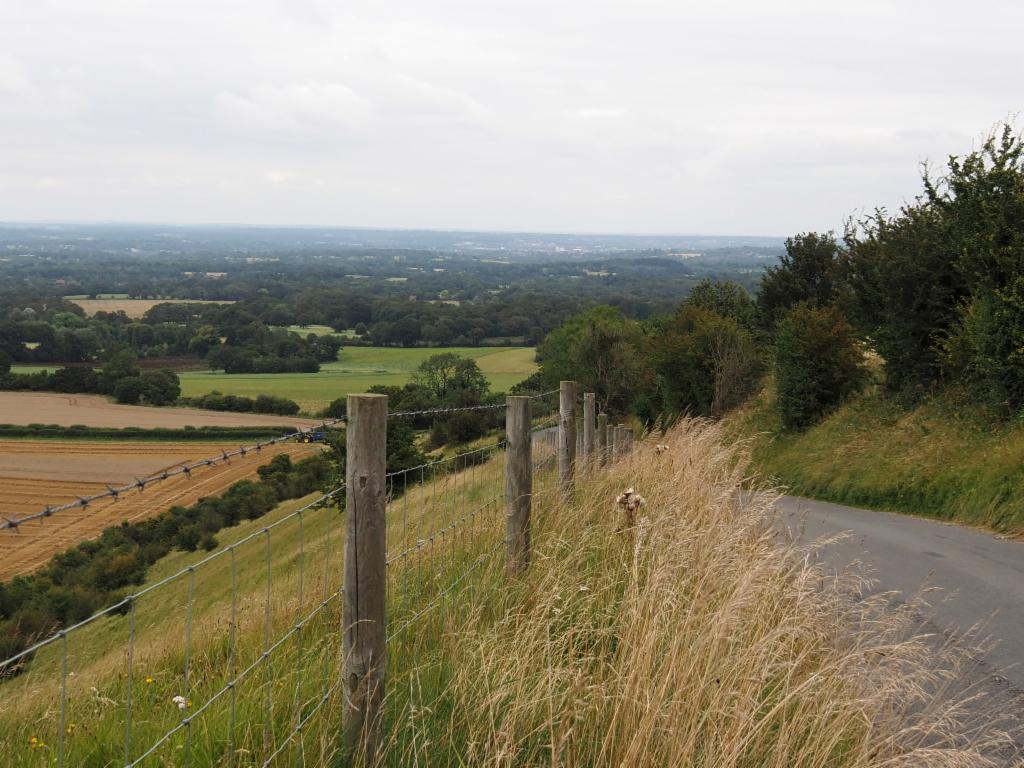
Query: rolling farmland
x,y
357,369
35,474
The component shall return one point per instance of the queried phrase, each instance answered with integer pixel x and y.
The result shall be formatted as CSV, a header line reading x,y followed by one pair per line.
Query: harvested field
x,y
35,473
97,411
134,308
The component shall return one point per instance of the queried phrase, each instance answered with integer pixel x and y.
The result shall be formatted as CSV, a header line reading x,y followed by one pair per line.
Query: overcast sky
x,y
737,117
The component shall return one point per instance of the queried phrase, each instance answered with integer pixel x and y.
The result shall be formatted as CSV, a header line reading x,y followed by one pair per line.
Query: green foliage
x,y
446,375
904,288
215,401
987,347
726,299
121,365
807,272
77,431
336,409
706,364
818,364
160,387
936,288
129,390
603,351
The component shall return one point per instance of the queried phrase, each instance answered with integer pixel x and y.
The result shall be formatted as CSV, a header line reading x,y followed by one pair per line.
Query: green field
x,y
357,369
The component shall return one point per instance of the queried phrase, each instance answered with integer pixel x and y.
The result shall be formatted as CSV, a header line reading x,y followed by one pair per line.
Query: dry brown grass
x,y
698,638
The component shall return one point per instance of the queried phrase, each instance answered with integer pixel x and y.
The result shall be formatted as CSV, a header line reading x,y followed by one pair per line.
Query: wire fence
x,y
233,659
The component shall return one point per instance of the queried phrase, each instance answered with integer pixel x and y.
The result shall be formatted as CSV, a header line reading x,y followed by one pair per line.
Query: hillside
x,y
944,458
694,638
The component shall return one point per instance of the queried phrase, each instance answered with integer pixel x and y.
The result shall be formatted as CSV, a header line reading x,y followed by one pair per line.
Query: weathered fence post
x,y
589,424
602,439
566,435
620,441
363,620
613,448
518,483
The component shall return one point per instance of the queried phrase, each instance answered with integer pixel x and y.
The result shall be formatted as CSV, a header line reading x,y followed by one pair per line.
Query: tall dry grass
x,y
698,638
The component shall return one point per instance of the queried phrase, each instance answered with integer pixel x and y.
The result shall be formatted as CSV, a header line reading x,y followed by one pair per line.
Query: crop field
x,y
97,411
357,369
34,474
134,308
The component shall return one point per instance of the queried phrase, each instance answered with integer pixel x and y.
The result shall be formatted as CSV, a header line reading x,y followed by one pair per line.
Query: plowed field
x,y
34,474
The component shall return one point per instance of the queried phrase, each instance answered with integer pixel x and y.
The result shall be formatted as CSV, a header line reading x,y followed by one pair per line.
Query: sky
x,y
738,117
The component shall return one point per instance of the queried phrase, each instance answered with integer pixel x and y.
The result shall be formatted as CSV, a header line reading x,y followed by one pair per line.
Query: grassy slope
x,y
694,640
940,459
359,368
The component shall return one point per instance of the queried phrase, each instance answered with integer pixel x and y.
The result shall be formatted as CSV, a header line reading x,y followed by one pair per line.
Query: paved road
x,y
983,574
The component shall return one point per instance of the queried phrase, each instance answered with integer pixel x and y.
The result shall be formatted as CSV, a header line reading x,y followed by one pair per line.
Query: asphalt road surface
x,y
981,575
981,578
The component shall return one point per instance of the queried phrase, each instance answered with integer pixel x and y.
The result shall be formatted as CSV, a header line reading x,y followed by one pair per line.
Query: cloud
x,y
736,117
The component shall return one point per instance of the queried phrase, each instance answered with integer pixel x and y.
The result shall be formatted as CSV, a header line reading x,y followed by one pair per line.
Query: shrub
x,y
129,390
706,363
818,364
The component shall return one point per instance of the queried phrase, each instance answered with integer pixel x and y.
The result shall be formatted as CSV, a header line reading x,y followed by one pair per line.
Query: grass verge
x,y
944,458
694,638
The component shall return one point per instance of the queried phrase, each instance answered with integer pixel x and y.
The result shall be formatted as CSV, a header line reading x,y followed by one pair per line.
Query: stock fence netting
x,y
234,658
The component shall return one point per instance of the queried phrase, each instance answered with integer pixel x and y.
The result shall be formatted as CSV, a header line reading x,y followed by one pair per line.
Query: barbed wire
x,y
447,459
127,601
442,411
140,484
460,507
545,394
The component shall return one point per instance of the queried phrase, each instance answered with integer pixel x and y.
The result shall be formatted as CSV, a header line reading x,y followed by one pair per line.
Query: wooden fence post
x,y
602,439
518,483
620,441
566,435
363,621
589,424
613,448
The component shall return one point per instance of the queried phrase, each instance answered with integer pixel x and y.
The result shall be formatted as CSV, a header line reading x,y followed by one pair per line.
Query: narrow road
x,y
982,575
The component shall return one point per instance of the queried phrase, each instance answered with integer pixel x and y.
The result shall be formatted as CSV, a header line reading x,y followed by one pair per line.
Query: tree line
x,y
934,292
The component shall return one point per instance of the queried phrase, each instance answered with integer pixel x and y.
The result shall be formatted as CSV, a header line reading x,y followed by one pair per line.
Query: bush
x,y
271,404
818,364
987,348
706,364
215,401
129,390
337,409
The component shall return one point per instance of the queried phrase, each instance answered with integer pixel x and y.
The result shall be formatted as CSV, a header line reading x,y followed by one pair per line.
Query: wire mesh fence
x,y
237,658
220,662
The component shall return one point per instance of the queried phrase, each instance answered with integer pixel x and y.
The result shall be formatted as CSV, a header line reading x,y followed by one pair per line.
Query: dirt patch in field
x,y
37,473
97,411
134,308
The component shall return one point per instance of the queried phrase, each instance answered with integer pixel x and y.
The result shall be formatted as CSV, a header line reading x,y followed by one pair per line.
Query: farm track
x,y
34,474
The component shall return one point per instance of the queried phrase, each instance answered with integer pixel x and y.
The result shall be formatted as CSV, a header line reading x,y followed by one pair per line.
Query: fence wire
x,y
247,640
256,656
438,528
141,483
